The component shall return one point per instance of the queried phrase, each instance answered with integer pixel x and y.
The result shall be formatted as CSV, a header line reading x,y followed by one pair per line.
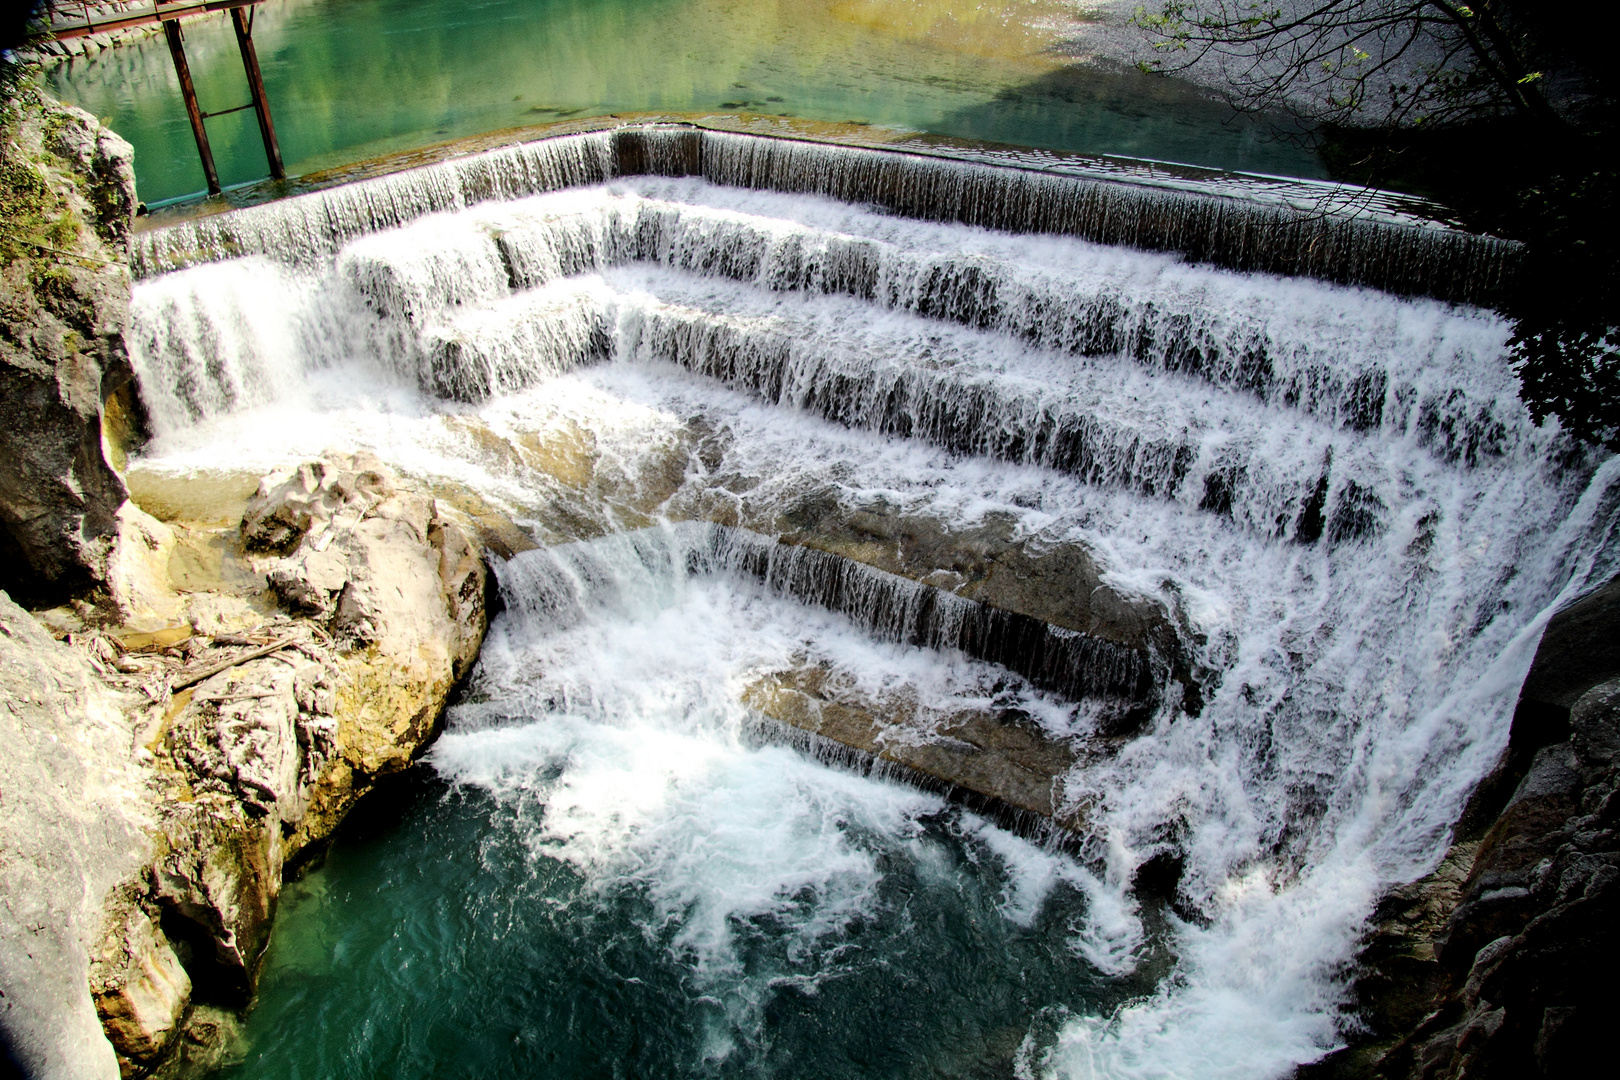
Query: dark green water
x,y
354,79
600,875
441,944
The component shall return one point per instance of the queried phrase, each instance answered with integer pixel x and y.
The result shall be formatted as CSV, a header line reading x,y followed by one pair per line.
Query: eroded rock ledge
x,y
244,704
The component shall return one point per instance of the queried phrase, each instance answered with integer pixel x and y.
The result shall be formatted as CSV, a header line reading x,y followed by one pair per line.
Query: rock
x,y
141,989
1519,985
75,812
1594,739
999,762
62,319
367,556
167,771
264,758
137,575
1495,900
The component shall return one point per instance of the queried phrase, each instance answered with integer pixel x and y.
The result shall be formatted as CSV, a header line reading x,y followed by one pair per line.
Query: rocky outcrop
x,y
1057,584
399,587
310,651
996,761
68,195
1496,964
76,813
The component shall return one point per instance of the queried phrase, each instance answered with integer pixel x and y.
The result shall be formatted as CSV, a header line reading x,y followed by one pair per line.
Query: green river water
x,y
354,79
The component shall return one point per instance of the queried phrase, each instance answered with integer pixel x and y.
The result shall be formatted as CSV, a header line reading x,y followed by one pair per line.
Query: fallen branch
x,y
225,665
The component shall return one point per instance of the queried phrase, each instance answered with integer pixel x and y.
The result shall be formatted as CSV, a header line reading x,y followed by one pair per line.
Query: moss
x,y
36,219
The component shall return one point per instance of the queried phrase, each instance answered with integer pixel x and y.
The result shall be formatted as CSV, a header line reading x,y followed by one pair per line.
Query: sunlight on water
x,y
352,79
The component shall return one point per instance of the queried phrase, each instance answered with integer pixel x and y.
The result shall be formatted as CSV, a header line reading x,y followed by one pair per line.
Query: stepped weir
x,y
1173,528
1405,257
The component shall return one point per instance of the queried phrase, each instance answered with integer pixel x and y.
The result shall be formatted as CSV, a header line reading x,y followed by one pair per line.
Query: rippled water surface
x,y
351,79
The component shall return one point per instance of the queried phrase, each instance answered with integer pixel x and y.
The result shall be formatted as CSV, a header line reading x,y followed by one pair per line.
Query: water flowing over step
x,y
1090,424
553,586
996,760
1356,362
442,310
1282,349
1303,535
1213,227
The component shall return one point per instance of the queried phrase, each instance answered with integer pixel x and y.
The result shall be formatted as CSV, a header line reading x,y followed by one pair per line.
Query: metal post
x,y
171,29
261,104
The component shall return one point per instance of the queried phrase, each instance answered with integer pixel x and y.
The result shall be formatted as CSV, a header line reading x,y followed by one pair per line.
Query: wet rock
x,y
63,310
1058,584
137,575
1004,763
1502,971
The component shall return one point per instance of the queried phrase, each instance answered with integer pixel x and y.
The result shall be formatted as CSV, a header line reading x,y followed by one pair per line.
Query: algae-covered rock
x,y
67,194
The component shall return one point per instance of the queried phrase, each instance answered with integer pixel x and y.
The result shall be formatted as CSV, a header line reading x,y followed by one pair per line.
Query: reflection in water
x,y
352,79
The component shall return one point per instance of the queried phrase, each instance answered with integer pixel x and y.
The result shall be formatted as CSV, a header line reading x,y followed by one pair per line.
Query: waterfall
x,y
1213,223
868,400
553,586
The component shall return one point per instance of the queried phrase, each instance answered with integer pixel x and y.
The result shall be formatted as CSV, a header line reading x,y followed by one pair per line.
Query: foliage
x,y
1497,106
1566,310
1373,62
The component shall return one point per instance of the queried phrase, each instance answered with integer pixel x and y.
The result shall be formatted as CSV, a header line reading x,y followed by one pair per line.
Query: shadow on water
x,y
438,937
1117,110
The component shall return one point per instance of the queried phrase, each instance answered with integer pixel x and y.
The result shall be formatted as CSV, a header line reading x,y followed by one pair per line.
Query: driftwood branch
x,y
225,665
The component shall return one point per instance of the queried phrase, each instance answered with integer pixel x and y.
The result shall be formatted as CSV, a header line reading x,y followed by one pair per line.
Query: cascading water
x,y
1333,531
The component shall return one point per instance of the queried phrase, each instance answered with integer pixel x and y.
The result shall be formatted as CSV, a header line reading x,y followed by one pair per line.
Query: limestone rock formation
x,y
240,688
68,194
75,815
397,584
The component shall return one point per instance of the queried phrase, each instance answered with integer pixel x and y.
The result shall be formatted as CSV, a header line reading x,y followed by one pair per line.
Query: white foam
x,y
626,721
1365,685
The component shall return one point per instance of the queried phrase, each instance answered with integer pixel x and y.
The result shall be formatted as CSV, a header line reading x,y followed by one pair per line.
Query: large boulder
x,y
69,195
271,736
76,812
239,690
399,587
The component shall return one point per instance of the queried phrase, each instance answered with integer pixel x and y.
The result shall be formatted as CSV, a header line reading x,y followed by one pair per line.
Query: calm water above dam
x,y
354,79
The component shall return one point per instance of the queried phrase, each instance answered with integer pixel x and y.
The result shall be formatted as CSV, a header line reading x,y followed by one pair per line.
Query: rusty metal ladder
x,y
169,13
260,104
